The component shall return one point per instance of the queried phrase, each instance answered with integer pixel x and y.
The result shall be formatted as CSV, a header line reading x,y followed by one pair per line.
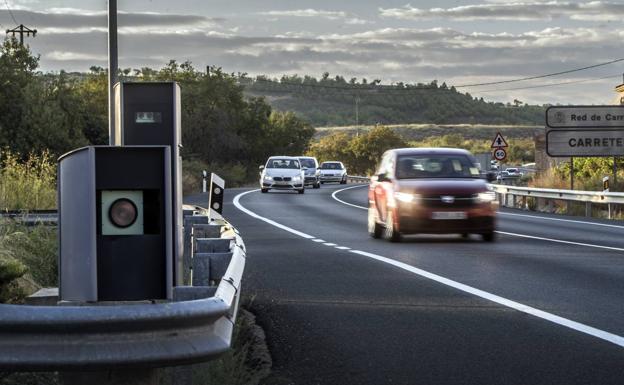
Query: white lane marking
x,y
330,244
343,248
347,203
318,240
560,241
561,220
521,235
267,220
586,329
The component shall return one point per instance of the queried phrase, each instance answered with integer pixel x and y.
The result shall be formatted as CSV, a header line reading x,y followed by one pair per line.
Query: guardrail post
x,y
550,206
588,209
513,201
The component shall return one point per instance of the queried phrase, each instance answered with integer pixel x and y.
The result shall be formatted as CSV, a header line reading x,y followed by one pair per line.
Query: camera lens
x,y
123,213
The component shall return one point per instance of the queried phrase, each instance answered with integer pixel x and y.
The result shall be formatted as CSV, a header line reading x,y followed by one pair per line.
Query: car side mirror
x,y
382,177
261,167
490,176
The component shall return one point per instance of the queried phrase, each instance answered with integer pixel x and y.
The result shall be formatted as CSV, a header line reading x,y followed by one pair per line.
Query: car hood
x,y
434,186
282,172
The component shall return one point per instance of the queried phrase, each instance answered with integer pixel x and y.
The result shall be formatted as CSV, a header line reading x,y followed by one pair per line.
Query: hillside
x,y
418,132
334,101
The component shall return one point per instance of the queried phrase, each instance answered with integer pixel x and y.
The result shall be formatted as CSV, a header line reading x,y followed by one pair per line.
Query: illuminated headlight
x,y
296,178
486,197
267,177
406,197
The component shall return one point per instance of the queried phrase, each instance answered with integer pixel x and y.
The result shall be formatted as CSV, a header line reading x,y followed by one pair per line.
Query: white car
x,y
513,172
282,173
333,171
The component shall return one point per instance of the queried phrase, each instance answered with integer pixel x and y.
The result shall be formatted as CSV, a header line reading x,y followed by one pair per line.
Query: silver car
x,y
312,173
282,173
333,171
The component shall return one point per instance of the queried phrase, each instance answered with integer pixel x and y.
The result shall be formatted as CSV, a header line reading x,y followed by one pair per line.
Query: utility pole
x,y
112,68
357,110
22,30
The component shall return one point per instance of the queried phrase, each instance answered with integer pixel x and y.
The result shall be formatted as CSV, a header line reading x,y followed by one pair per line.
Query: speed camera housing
x,y
115,224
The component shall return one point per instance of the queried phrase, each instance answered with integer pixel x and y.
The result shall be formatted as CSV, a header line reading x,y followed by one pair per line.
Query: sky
x,y
460,42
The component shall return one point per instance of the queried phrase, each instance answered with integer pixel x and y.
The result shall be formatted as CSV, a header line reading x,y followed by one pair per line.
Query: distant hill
x,y
420,132
334,101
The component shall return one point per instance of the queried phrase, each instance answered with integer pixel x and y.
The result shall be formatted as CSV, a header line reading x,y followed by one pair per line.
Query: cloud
x,y
525,11
316,13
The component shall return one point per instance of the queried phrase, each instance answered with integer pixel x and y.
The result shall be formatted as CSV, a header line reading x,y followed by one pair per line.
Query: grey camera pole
x,y
112,67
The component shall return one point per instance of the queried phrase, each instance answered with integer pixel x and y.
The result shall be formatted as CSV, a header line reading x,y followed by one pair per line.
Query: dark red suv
x,y
430,190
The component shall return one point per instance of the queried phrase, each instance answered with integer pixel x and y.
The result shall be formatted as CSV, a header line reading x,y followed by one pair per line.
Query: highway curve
x,y
542,305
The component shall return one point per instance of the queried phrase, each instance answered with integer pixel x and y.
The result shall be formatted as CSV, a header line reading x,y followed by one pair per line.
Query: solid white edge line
x,y
561,220
347,203
236,202
516,234
582,328
560,241
586,329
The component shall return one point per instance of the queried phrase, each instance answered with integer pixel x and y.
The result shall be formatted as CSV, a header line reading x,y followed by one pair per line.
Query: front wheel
x,y
264,190
301,191
390,232
343,181
489,237
316,185
374,228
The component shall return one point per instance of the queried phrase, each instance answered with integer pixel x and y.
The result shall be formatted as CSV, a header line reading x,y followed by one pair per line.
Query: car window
x,y
283,163
306,162
435,166
331,166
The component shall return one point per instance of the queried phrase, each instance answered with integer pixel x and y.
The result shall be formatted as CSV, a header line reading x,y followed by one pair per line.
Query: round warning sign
x,y
500,154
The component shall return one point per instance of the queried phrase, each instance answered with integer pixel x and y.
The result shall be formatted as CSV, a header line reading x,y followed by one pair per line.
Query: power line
x,y
10,12
548,85
540,76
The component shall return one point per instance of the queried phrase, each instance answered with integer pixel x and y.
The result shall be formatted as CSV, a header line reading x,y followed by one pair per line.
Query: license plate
x,y
448,215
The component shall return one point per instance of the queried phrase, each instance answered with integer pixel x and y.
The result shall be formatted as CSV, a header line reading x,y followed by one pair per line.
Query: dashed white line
x,y
343,248
318,240
330,244
586,329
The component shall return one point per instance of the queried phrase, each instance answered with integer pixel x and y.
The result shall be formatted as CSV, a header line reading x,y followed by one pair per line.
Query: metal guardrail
x,y
124,336
507,197
32,217
358,179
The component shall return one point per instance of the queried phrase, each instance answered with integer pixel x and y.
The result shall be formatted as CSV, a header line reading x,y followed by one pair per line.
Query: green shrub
x,y
28,184
235,175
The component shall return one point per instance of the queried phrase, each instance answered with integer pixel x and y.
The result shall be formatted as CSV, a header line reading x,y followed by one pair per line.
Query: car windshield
x,y
331,166
282,163
307,162
435,166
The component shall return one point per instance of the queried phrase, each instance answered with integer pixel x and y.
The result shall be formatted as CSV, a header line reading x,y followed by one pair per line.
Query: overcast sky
x,y
454,41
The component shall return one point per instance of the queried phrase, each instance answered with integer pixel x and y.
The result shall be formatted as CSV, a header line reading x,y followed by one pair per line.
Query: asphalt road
x,y
542,305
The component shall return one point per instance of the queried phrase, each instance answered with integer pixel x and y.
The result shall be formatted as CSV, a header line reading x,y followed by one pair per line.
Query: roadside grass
x,y
28,259
27,183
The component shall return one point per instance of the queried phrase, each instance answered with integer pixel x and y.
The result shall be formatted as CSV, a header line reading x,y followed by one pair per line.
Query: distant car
x,y
513,172
312,173
333,171
282,173
502,175
430,190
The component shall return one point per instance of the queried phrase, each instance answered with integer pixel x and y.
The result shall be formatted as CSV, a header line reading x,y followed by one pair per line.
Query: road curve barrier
x,y
543,198
196,326
358,179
